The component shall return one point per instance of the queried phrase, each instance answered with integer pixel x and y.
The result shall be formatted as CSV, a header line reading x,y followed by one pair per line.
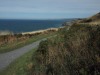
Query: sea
x,y
19,26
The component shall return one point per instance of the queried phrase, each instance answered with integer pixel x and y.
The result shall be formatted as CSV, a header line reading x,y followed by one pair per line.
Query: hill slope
x,y
95,19
72,52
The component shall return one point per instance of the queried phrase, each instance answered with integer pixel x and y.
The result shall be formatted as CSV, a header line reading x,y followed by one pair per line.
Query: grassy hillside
x,y
24,64
93,20
12,42
96,17
74,51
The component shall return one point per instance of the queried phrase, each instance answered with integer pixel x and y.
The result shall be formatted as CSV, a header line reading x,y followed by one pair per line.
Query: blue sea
x,y
18,26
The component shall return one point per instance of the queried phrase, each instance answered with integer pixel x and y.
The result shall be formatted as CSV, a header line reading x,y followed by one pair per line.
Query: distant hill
x,y
95,19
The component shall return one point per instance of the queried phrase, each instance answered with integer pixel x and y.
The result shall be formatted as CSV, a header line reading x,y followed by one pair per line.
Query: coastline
x,y
40,31
2,33
30,33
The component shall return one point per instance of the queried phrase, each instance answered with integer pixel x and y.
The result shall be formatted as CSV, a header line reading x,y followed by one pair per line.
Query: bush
x,y
73,52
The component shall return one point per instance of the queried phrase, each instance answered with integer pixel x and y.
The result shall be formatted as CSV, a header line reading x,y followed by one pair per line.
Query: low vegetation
x,y
11,42
74,51
21,66
93,20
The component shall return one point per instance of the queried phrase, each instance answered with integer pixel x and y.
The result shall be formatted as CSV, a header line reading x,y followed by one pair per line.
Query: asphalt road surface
x,y
7,58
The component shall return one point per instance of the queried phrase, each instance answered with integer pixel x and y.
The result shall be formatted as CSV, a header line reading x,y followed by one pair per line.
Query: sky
x,y
48,9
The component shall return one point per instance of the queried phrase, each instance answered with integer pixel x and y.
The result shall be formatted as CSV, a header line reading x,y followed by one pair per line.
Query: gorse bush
x,y
74,51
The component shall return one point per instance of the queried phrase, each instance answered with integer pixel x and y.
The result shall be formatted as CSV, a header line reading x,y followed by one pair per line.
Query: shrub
x,y
73,52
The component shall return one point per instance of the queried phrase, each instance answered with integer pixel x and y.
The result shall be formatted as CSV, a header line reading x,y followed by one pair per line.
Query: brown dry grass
x,y
72,52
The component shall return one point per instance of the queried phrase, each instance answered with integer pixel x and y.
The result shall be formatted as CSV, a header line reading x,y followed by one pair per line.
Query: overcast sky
x,y
48,9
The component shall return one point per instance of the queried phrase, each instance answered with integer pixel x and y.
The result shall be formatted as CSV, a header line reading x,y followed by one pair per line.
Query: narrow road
x,y
7,58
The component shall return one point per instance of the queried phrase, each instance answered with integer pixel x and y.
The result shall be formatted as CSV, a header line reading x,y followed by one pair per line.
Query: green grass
x,y
18,44
24,64
21,66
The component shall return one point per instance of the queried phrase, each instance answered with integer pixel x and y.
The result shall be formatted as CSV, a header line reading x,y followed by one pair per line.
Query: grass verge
x,y
18,44
21,66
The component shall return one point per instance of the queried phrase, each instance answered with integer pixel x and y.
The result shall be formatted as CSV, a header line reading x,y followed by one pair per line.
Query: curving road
x,y
7,58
